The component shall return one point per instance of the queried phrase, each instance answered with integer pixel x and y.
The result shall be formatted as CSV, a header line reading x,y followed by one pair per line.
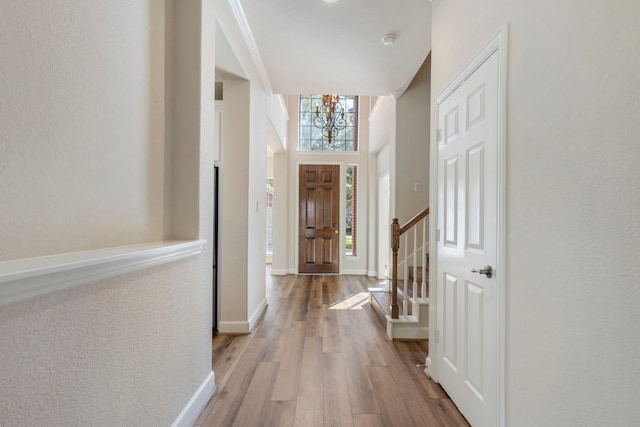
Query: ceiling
x,y
309,46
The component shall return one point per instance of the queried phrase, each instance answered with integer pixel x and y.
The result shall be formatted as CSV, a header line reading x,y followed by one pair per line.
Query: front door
x,y
319,236
467,309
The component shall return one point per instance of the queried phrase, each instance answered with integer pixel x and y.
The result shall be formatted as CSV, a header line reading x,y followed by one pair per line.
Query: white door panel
x,y
467,212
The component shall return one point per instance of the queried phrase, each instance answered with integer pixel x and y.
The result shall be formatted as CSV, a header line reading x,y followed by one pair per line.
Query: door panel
x,y
467,200
319,233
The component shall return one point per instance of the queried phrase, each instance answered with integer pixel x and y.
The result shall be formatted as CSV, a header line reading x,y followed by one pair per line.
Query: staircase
x,y
405,308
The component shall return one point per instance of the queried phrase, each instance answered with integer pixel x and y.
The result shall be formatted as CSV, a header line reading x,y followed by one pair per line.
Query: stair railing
x,y
420,247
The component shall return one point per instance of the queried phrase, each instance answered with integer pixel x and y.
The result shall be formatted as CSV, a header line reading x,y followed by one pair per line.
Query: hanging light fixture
x,y
330,117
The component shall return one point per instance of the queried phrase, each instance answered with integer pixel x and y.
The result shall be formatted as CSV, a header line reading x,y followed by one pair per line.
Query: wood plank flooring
x,y
321,357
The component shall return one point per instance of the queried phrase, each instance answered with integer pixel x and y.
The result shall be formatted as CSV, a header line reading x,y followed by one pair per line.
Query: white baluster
x,y
424,257
414,257
406,277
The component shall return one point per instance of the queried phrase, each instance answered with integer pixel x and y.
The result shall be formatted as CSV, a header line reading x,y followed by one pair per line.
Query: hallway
x,y
320,357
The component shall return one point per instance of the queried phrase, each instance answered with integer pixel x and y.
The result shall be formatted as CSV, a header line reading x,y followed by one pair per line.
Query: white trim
x,y
257,314
279,272
243,24
283,105
427,366
372,273
501,269
355,271
26,278
233,327
497,44
197,403
217,147
374,110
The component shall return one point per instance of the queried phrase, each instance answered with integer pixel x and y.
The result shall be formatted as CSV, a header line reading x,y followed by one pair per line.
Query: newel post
x,y
395,245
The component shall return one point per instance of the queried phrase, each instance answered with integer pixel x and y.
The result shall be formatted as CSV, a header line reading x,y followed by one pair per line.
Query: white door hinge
x,y
436,335
438,135
437,234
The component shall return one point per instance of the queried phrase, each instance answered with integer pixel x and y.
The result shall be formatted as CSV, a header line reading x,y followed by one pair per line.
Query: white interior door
x,y
467,309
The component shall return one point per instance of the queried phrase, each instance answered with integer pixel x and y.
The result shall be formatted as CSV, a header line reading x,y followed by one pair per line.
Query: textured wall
x,y
82,165
129,351
572,201
81,92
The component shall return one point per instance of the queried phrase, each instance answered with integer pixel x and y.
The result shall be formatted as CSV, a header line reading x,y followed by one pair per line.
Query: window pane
x,y
351,210
311,138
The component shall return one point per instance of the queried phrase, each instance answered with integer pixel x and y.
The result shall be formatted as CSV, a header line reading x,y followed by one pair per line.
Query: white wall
x,y
82,89
399,137
573,199
281,223
234,231
382,137
256,255
249,114
348,265
413,115
86,161
382,123
278,120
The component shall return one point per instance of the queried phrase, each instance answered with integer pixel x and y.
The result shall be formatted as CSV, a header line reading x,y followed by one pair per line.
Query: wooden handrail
x,y
413,221
396,232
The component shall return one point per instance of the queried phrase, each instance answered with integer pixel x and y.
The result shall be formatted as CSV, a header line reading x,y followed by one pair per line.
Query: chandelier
x,y
330,117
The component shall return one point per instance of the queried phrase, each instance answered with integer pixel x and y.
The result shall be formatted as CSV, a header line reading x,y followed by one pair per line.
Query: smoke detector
x,y
389,39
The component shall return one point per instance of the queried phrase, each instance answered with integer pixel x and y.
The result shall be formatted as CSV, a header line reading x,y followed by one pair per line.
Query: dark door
x,y
318,249
216,206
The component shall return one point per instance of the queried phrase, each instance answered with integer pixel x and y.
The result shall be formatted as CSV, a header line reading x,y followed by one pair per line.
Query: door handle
x,y
488,270
336,231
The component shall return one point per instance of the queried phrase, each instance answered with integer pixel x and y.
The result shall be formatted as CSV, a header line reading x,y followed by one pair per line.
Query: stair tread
x,y
383,298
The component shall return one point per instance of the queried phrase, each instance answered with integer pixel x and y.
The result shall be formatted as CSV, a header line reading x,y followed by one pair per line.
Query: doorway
x,y
319,219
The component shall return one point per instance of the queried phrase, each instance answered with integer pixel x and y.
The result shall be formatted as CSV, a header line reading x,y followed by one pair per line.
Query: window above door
x,y
311,137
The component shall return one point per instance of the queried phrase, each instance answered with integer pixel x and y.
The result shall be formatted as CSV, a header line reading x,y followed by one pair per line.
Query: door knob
x,y
488,270
336,231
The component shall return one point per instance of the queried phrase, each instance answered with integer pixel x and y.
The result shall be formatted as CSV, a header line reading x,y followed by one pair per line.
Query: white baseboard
x,y
197,403
278,272
242,326
372,273
355,271
257,314
233,327
292,271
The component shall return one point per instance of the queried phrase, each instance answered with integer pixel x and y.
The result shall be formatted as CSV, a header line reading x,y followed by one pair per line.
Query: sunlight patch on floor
x,y
352,302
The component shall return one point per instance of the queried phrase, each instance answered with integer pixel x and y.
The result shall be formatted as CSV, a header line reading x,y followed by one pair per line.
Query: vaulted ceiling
x,y
311,46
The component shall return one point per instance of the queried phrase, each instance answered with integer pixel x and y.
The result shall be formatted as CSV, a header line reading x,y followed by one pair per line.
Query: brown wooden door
x,y
318,251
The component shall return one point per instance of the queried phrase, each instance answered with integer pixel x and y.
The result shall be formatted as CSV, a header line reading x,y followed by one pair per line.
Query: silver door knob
x,y
488,270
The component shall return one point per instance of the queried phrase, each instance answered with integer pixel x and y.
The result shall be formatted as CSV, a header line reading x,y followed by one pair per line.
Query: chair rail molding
x,y
27,278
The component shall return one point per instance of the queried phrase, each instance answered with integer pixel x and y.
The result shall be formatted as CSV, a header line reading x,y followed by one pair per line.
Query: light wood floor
x,y
321,357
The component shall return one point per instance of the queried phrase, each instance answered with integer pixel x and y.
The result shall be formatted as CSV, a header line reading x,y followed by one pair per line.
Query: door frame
x,y
498,44
384,224
343,208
